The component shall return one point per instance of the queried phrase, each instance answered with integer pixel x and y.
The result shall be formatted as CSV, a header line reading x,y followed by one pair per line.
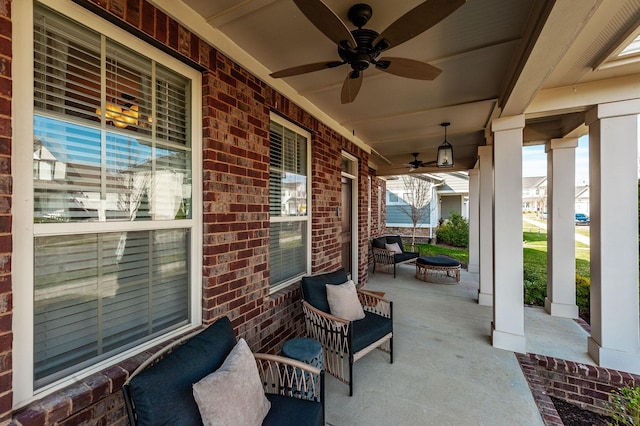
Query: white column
x,y
474,217
485,161
508,296
561,244
613,153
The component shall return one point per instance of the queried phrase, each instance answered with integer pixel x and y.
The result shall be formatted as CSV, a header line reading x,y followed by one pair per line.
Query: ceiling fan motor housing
x,y
359,14
364,54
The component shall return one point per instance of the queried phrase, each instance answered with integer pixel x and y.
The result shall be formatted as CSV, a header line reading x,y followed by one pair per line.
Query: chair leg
x,y
391,350
394,269
350,375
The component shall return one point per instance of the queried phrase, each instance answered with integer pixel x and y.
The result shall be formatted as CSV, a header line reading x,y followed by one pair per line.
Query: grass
x,y
535,254
432,250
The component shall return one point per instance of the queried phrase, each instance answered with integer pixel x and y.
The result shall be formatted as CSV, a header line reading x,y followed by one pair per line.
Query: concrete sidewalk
x,y
445,371
580,238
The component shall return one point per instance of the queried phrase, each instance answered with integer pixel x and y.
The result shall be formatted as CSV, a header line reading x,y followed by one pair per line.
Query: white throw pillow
x,y
233,394
395,247
343,301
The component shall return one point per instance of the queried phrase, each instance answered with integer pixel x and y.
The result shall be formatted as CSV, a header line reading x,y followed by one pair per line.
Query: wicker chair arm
x,y
374,303
333,333
289,377
325,315
383,256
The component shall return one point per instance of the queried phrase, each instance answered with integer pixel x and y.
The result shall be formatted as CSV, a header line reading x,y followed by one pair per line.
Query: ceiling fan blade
x,y
408,68
303,69
417,20
326,21
350,88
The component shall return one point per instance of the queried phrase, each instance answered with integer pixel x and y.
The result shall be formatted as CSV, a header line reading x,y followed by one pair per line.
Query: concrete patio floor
x,y
445,371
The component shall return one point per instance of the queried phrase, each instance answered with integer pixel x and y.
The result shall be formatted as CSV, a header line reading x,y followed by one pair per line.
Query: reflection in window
x,y
288,203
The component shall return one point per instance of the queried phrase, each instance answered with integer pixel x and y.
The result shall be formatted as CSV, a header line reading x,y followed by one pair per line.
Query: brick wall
x,y
587,386
6,335
235,276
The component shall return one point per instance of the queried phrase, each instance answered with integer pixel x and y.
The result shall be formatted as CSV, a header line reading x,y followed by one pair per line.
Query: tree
x,y
418,193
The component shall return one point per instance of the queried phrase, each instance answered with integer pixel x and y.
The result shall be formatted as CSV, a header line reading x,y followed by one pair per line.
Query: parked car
x,y
582,219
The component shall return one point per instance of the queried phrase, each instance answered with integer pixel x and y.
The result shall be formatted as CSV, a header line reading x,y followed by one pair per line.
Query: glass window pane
x,y
288,198
108,293
67,171
287,250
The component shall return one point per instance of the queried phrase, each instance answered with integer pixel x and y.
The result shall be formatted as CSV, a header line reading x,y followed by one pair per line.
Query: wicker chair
x,y
344,342
386,258
160,390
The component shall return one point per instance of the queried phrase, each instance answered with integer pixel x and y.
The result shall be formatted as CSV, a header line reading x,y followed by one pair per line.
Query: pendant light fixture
x,y
445,150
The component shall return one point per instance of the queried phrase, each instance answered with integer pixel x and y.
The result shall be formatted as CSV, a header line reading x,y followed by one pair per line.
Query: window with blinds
x,y
112,143
288,203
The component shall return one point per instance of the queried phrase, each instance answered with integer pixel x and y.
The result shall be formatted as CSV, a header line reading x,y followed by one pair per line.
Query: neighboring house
x,y
534,196
582,199
450,193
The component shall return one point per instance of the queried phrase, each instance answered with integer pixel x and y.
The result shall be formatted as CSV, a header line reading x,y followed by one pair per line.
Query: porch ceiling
x,y
496,56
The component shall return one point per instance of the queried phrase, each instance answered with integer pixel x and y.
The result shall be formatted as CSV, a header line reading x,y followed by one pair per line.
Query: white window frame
x,y
308,218
23,223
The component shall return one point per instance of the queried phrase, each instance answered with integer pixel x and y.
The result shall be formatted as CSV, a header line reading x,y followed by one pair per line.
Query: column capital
x,y
485,150
612,109
563,143
475,171
508,123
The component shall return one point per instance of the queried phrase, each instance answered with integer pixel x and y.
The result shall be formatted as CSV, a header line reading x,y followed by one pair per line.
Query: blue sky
x,y
534,160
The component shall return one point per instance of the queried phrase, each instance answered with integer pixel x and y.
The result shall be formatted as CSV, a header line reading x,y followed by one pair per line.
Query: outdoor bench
x,y
160,391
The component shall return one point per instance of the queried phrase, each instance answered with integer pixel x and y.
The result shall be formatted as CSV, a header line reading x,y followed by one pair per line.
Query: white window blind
x,y
111,144
288,204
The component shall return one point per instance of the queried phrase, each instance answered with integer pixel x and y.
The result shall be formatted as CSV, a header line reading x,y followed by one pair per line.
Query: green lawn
x,y
462,254
535,254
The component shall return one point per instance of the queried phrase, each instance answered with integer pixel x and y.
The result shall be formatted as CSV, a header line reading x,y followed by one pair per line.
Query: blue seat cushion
x,y
403,257
370,329
288,411
162,393
314,288
437,261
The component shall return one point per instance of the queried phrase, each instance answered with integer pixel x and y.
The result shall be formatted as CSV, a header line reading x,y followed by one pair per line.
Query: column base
x,y
561,310
611,358
485,299
508,341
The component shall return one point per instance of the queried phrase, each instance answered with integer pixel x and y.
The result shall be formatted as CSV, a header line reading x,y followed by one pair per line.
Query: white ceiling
x,y
495,55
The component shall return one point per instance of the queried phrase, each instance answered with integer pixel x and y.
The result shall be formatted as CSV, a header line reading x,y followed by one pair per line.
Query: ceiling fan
x,y
361,47
416,164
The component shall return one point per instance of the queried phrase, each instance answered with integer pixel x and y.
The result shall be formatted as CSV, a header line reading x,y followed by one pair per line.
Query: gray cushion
x,y
314,290
162,393
395,239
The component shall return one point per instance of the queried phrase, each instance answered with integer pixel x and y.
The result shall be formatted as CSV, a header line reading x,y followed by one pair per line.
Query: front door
x,y
345,234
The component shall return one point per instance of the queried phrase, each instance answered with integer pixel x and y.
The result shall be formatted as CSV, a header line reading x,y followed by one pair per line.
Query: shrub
x,y
626,406
535,286
583,296
454,231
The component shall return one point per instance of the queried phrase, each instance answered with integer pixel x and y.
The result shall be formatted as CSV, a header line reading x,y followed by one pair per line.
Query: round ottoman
x,y
445,266
306,350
